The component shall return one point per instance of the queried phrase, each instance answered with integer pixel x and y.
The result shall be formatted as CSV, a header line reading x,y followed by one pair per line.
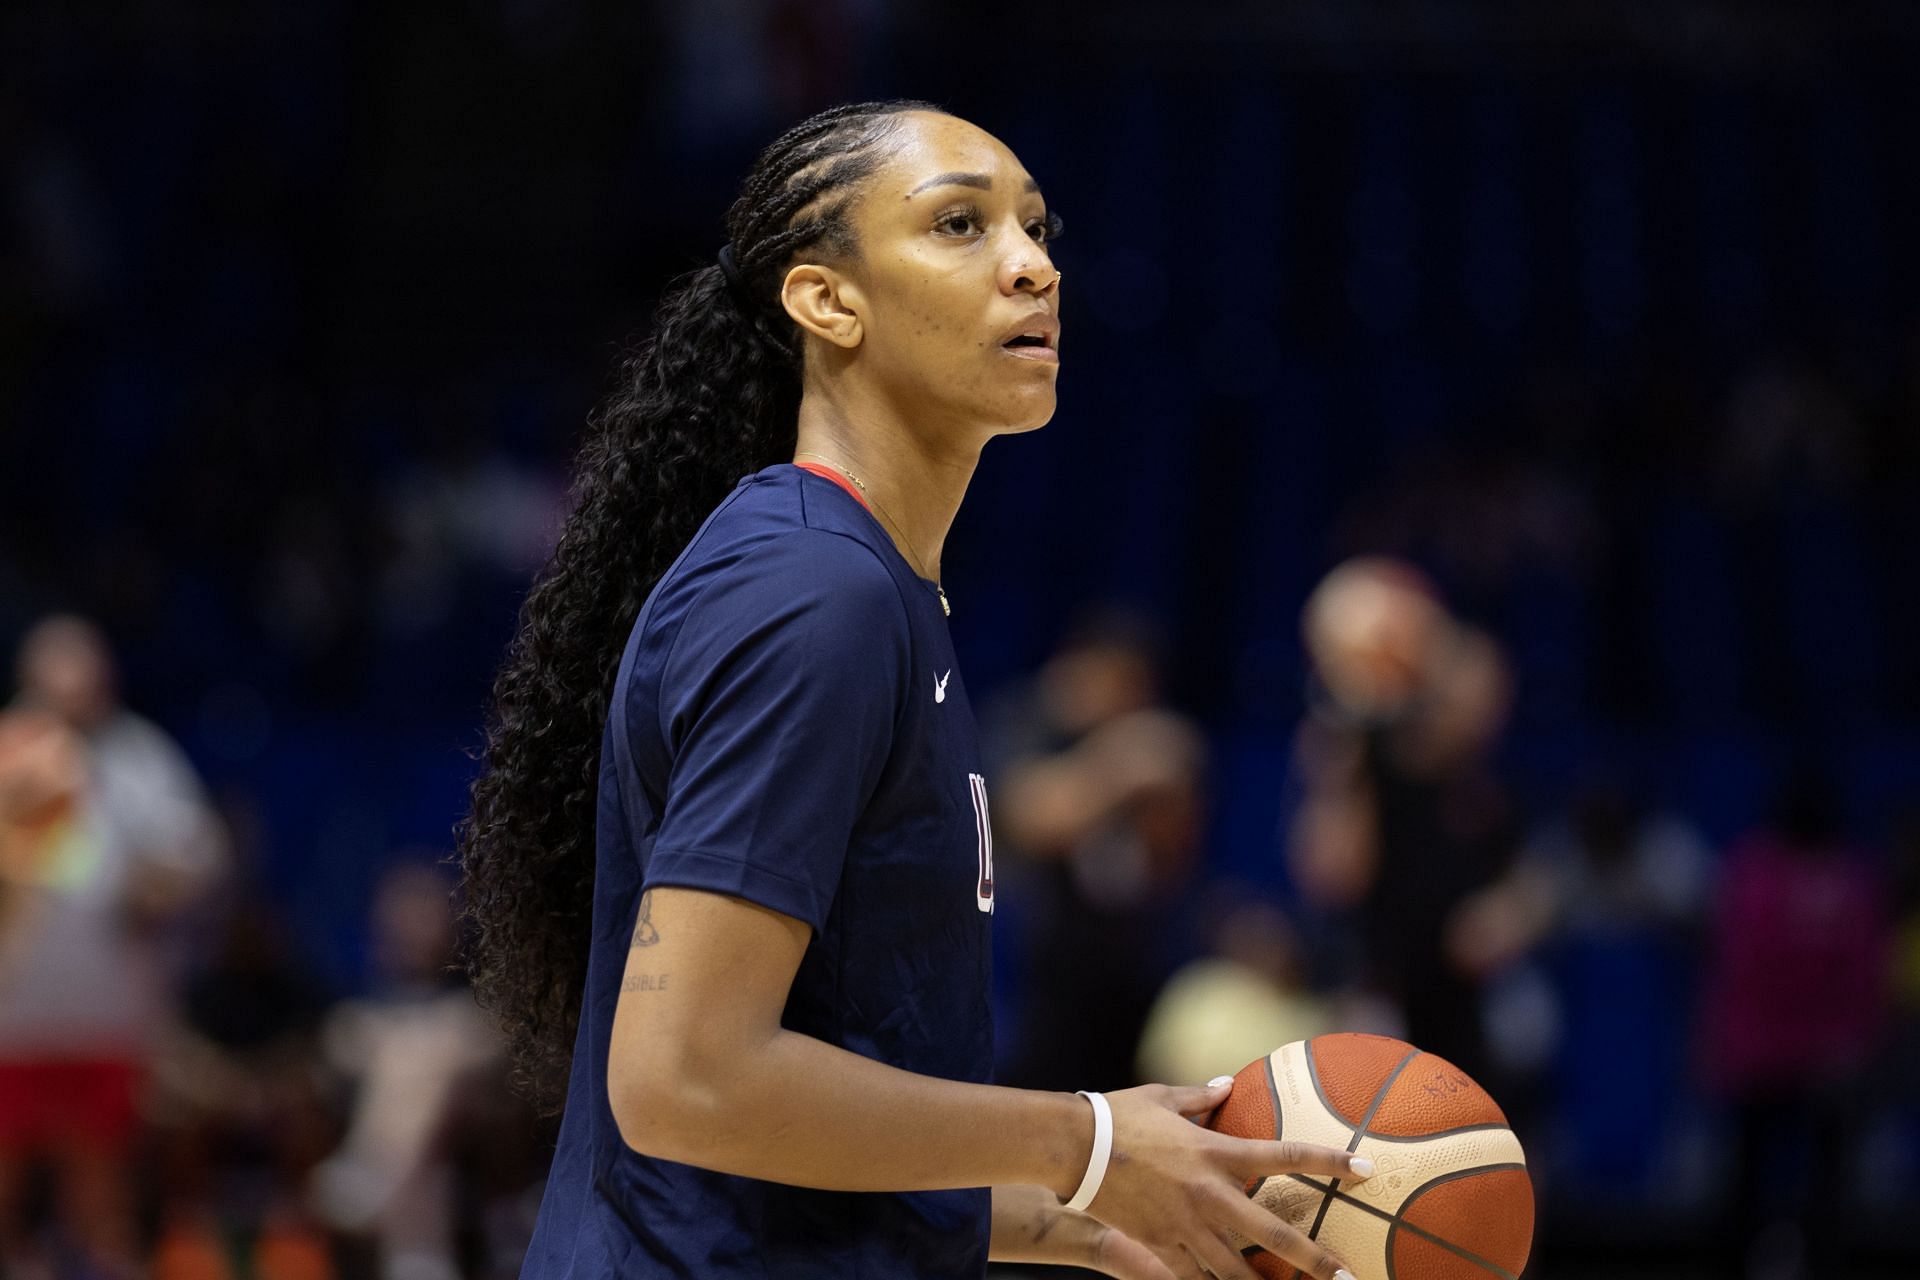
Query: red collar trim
x,y
828,473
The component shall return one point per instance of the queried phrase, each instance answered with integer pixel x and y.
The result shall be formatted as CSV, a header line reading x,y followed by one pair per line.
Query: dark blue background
x,y
1338,278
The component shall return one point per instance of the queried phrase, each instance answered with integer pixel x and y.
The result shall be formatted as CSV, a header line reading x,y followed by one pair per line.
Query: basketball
x,y
1450,1198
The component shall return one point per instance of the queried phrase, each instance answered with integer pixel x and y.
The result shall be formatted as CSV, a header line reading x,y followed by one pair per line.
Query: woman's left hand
x,y
1115,1253
1031,1225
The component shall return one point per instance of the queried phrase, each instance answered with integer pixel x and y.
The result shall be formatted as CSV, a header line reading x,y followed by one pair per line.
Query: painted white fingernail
x,y
1215,1083
1361,1167
1343,1274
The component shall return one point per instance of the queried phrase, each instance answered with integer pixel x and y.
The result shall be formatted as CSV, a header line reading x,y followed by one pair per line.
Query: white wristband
x,y
1102,1151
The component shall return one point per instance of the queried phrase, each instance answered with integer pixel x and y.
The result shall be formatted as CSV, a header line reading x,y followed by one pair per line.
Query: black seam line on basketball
x,y
1440,1133
1394,1220
1273,1099
1313,1077
1401,1224
1313,1074
1379,1099
1348,1196
1455,1176
1279,1121
1279,1127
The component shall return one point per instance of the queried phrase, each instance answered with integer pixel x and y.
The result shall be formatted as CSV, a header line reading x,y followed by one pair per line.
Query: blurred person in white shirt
x,y
105,836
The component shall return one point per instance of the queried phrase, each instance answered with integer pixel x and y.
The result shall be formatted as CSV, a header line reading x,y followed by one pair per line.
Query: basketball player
x,y
729,865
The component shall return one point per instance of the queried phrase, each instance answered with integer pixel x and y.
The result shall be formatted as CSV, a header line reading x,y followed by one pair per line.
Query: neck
x,y
914,483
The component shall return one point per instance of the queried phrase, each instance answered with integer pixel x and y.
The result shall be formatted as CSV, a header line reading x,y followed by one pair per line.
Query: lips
x,y
1038,332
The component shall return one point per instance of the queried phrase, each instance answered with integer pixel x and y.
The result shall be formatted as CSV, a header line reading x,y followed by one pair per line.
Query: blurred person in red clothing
x,y
1796,1004
106,835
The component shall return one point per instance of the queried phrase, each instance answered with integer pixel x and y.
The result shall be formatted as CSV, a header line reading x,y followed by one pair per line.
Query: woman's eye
x,y
971,222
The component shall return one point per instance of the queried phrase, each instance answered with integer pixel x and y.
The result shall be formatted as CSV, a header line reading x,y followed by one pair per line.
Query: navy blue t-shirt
x,y
789,726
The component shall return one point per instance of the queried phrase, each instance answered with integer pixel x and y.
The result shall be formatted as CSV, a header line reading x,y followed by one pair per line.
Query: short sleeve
x,y
778,702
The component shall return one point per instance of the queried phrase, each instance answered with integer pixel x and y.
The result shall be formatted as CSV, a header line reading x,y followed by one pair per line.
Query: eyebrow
x,y
980,180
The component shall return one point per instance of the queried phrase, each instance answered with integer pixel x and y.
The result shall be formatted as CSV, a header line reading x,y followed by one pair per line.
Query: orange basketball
x,y
1450,1198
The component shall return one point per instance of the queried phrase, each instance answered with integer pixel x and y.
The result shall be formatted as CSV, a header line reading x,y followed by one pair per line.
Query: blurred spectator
x,y
467,512
1612,867
1404,824
1237,1004
1625,887
1796,1003
416,1050
241,1107
290,440
107,837
1099,801
1788,430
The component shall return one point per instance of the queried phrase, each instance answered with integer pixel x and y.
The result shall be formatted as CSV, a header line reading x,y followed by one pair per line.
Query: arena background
x,y
1602,315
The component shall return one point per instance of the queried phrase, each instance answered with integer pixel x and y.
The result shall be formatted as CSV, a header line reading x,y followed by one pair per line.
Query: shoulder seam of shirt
x,y
706,525
616,713
699,536
673,645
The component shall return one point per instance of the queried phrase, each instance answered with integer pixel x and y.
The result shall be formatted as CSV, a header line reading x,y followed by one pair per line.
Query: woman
x,y
729,864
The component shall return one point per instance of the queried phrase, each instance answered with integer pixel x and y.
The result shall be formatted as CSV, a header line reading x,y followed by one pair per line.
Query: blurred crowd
x,y
1505,479
1728,1034
1720,1037
180,1096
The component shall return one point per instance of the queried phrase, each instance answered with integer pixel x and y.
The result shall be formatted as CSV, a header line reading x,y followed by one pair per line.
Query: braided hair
x,y
712,394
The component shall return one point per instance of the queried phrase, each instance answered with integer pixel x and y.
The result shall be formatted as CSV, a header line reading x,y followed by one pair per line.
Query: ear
x,y
824,303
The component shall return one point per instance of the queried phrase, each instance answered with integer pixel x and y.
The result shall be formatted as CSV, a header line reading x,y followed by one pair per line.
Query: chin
x,y
1031,414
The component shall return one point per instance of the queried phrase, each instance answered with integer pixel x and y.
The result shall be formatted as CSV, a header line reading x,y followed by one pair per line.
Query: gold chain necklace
x,y
893,527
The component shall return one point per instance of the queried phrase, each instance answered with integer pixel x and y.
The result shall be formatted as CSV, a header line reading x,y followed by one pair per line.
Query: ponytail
x,y
712,394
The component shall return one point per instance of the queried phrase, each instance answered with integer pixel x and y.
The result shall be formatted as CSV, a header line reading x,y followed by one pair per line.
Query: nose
x,y
1029,270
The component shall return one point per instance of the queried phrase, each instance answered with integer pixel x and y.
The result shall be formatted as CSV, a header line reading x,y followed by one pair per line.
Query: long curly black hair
x,y
710,395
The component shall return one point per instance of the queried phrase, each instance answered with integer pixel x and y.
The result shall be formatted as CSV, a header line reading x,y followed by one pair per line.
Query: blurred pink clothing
x,y
1797,990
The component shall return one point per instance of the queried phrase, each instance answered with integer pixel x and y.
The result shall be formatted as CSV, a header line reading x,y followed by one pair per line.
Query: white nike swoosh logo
x,y
940,686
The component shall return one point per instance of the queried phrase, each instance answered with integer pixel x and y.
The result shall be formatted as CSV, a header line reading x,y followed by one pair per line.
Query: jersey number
x,y
983,825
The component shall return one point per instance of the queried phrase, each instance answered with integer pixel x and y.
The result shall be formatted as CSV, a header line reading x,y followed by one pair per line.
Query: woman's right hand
x,y
1179,1188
